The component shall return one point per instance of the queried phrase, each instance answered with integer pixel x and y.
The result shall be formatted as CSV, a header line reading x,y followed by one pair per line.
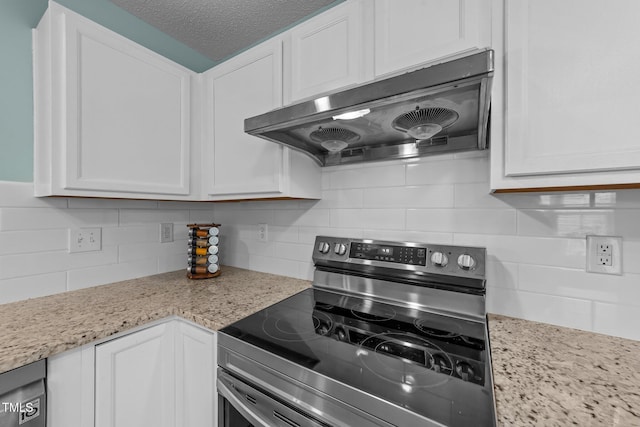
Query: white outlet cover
x,y
616,254
263,232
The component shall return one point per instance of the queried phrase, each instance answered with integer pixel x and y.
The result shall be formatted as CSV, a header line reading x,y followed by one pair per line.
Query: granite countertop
x,y
547,375
41,327
544,375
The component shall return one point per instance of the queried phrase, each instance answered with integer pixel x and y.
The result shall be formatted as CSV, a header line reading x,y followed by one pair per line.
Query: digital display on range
x,y
397,254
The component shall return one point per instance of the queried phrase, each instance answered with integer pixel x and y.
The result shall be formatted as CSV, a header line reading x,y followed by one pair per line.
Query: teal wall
x,y
17,18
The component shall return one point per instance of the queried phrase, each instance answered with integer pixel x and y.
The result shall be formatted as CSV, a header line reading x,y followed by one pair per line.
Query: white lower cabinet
x,y
162,376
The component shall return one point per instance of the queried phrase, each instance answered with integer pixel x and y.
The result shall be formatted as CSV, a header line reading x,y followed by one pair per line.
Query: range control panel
x,y
381,252
458,261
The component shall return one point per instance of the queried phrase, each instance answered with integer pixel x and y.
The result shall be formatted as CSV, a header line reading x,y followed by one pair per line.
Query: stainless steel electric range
x,y
390,334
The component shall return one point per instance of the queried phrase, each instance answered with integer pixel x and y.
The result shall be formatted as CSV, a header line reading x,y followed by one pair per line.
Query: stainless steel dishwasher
x,y
23,399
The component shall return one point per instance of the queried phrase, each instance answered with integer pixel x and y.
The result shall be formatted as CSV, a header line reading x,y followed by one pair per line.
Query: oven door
x,y
241,405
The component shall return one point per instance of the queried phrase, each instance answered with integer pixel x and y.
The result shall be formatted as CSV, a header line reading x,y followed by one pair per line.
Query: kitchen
x,y
535,242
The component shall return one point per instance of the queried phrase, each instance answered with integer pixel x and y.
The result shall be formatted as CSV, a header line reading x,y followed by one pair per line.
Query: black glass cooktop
x,y
434,365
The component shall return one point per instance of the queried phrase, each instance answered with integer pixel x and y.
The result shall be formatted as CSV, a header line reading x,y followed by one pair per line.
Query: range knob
x,y
466,262
323,247
439,259
340,249
465,371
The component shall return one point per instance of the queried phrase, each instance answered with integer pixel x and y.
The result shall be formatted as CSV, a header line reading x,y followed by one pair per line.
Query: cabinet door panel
x,y
328,51
243,163
135,379
417,31
571,86
127,122
195,376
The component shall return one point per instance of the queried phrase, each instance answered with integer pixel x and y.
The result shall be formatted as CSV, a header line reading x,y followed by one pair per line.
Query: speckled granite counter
x,y
544,375
41,327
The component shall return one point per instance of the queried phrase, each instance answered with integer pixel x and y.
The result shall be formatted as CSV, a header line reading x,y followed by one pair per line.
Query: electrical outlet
x,y
604,254
85,240
166,232
263,232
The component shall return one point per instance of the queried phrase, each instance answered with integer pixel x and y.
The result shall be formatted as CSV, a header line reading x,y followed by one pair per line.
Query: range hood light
x,y
424,131
322,104
334,145
350,115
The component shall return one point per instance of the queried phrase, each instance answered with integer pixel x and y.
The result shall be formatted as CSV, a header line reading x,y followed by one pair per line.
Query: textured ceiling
x,y
220,28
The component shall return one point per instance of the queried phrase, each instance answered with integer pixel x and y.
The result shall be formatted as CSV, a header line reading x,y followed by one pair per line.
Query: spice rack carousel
x,y
203,252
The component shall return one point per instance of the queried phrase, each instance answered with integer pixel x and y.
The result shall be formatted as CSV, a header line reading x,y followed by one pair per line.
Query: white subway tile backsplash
x,y
308,234
31,241
32,286
294,251
486,221
576,283
172,262
300,217
131,234
109,273
48,262
144,216
344,198
426,196
47,218
372,176
409,236
617,319
141,251
501,275
380,219
448,171
559,252
631,256
569,223
569,312
265,264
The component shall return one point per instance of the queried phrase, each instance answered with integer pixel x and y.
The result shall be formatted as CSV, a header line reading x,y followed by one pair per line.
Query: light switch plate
x,y
166,232
604,254
85,239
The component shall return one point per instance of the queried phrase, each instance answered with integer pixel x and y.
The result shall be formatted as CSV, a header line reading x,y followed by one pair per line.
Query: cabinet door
x,y
70,388
135,379
196,396
571,86
245,86
126,126
329,51
412,32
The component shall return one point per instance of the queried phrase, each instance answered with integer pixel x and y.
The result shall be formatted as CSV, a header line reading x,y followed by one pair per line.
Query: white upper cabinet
x,y
329,51
570,72
112,117
239,165
410,33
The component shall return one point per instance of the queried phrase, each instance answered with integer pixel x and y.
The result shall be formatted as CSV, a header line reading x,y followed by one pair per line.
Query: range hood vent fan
x,y
424,123
441,108
334,139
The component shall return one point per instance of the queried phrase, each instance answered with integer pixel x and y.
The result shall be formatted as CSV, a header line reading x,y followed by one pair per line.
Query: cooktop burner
x,y
397,353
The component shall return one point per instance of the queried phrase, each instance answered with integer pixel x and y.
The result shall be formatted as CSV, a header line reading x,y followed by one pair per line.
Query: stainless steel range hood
x,y
441,108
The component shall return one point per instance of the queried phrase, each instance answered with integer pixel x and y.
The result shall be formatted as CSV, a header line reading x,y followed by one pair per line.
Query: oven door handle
x,y
244,410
